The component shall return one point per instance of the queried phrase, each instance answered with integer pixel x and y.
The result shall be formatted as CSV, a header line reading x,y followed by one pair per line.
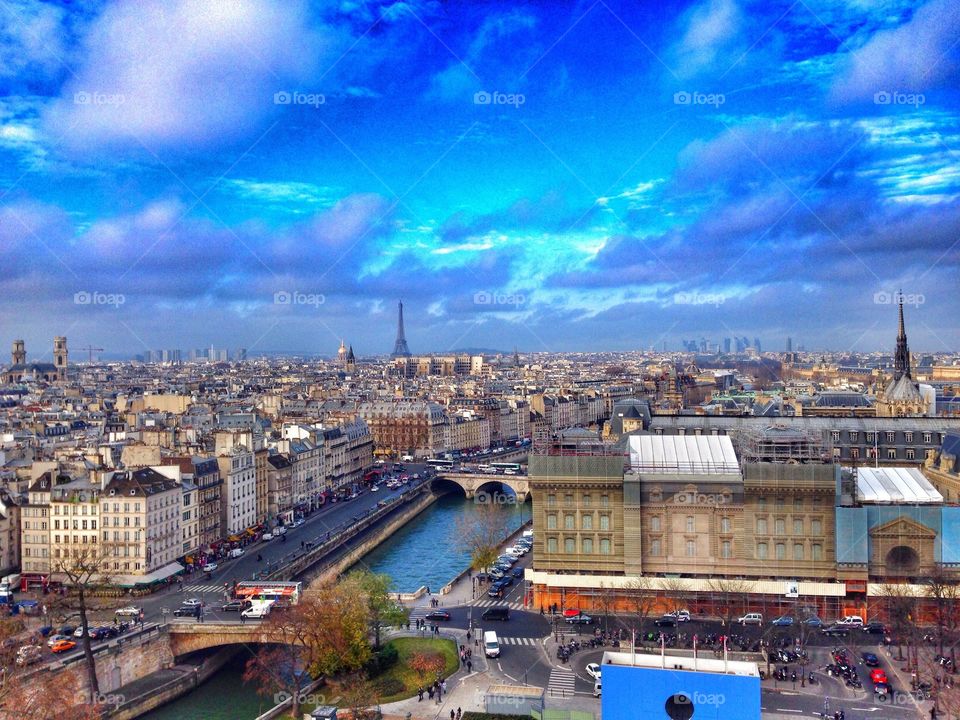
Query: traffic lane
x,y
812,705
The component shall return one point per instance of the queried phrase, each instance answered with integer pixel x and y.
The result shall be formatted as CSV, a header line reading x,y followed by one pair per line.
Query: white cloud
x,y
711,29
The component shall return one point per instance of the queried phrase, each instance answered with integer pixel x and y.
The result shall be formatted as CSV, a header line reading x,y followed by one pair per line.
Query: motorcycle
x,y
811,679
259,557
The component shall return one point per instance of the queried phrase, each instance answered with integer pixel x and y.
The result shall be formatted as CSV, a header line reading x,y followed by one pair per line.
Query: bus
x,y
287,593
503,467
440,464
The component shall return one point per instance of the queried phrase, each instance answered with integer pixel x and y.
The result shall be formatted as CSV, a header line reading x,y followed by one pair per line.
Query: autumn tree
x,y
383,607
426,664
482,532
359,695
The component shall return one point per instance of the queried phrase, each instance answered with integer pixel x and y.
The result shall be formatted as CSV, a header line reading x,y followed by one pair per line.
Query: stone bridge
x,y
189,637
472,483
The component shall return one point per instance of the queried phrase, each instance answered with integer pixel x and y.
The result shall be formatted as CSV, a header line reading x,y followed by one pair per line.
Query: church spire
x,y
901,356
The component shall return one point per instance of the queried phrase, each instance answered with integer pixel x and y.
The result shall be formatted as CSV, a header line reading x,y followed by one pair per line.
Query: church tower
x,y
351,359
18,356
342,355
901,397
60,356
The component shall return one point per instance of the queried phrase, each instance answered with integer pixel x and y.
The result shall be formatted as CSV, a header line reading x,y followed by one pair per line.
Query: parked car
x,y
878,675
63,646
782,621
681,615
267,536
835,631
128,611
874,627
851,621
54,639
298,522
236,552
186,611
517,573
210,567
870,660
666,621
751,619
813,621
882,689
580,619
593,670
437,615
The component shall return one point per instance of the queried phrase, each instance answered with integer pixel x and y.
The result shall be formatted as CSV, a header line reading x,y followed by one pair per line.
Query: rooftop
x,y
679,662
704,454
888,486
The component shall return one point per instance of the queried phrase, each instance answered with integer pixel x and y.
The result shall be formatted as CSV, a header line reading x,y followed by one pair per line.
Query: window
x,y
835,436
586,522
891,436
761,526
552,521
605,500
797,526
781,501
891,453
569,522
655,548
604,522
798,503
726,550
725,525
551,499
816,551
911,454
691,548
816,527
655,523
781,551
588,546
762,503
908,437
762,551
780,526
551,545
798,551
568,498
586,500
691,524
855,453
569,545
605,546
854,436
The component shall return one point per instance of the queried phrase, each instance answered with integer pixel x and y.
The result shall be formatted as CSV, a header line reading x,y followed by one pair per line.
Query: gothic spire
x,y
901,356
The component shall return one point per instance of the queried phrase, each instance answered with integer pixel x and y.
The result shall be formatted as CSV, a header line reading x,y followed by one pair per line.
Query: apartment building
x,y
238,506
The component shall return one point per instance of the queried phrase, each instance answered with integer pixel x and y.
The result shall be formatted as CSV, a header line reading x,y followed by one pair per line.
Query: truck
x,y
258,610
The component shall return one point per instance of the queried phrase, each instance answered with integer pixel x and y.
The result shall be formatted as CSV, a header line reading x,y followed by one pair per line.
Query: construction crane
x,y
90,351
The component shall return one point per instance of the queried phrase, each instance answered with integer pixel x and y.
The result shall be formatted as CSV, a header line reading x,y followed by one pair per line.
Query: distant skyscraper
x,y
400,348
789,344
756,344
726,345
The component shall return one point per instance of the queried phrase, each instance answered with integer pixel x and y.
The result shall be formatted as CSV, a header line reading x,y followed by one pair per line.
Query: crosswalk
x,y
561,683
203,588
518,641
492,603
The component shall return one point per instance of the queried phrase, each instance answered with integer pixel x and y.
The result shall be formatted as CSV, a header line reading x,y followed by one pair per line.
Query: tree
x,y
84,570
383,609
642,599
732,592
424,664
340,625
358,694
482,532
675,592
943,590
901,608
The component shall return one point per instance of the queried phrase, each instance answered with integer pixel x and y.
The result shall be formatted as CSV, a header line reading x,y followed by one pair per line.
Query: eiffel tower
x,y
400,348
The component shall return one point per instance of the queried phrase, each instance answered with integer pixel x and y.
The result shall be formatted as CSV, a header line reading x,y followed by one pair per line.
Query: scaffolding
x,y
779,443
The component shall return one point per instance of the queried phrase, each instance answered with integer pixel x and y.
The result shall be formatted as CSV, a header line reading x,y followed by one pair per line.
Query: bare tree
x,y
641,594
900,606
482,532
942,589
675,592
733,593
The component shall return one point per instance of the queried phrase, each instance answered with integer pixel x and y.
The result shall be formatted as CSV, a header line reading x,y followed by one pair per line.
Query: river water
x,y
426,551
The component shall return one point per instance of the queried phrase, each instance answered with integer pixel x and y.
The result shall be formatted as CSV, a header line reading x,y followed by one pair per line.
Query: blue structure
x,y
677,691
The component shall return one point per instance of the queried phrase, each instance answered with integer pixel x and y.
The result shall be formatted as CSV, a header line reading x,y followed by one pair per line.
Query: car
x,y
280,530
186,611
851,621
571,612
517,573
681,615
667,620
782,621
751,619
374,488
882,688
506,581
593,670
192,602
63,646
813,621
235,606
437,615
835,631
874,627
298,522
78,633
495,591
54,639
267,536
210,567
870,660
496,573
497,612
236,552
580,619
28,655
877,675
128,611
509,559
522,549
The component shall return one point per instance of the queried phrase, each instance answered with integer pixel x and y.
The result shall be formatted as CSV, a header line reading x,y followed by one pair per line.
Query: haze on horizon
x,y
276,174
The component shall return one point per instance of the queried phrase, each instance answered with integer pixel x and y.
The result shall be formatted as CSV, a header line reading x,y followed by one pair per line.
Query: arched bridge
x,y
189,637
472,483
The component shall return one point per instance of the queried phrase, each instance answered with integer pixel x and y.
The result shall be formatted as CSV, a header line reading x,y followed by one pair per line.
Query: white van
x,y
596,688
258,610
236,552
752,619
851,621
407,458
491,646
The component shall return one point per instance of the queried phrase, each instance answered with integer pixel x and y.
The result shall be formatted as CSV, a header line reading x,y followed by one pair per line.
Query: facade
x,y
9,533
35,528
74,524
261,471
20,370
405,425
307,459
206,476
279,488
189,517
238,506
359,452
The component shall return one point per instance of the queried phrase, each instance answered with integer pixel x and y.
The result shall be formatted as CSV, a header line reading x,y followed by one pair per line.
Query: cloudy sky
x,y
555,176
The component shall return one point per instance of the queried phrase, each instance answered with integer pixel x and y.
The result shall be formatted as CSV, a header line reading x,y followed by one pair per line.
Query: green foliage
x,y
471,715
383,607
385,658
409,679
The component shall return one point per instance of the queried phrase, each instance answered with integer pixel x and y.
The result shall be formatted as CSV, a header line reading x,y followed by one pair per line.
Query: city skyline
x,y
277,176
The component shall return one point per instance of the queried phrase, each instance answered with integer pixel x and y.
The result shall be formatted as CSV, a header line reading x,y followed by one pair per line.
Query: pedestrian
x,y
469,665
453,714
243,618
420,694
430,692
468,636
443,685
459,713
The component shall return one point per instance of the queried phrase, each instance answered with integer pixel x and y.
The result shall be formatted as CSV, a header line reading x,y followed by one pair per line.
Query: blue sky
x,y
551,176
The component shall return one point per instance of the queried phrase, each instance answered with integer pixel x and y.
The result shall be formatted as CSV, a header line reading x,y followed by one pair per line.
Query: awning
x,y
156,576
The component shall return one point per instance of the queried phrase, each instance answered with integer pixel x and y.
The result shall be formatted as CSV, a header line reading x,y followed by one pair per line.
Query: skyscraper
x,y
789,344
400,348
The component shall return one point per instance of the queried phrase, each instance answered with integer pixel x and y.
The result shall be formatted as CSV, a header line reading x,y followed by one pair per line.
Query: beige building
x,y
74,524
189,517
238,507
35,528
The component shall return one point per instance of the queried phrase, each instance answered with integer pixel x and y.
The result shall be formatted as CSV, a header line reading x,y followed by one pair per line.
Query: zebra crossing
x,y
203,588
561,683
518,641
497,603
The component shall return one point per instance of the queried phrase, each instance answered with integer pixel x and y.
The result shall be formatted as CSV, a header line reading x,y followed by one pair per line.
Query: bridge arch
x,y
471,483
